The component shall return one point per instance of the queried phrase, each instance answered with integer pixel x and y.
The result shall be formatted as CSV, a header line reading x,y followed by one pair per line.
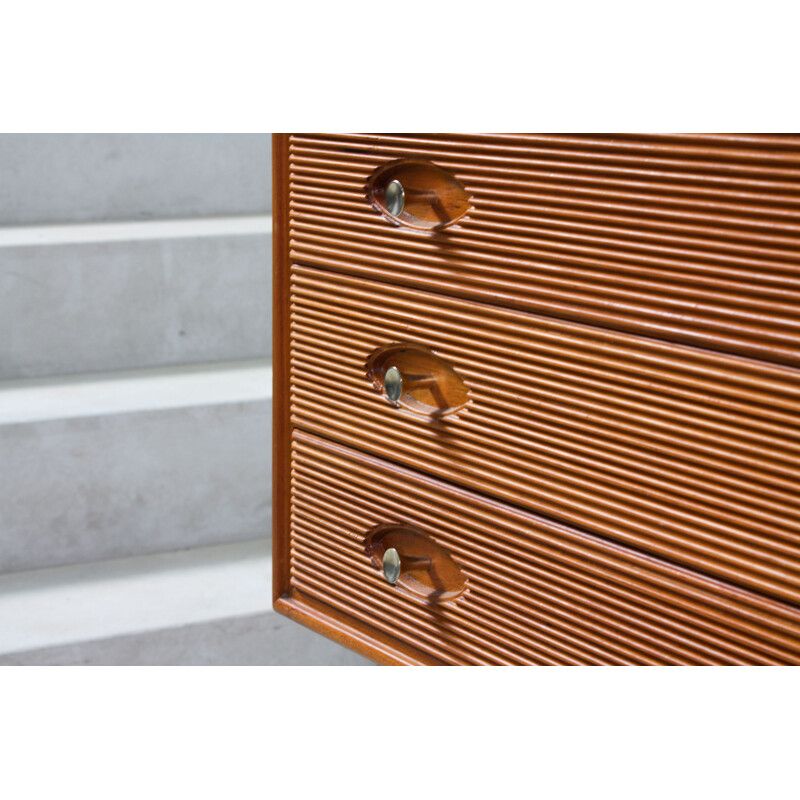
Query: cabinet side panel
x,y
281,431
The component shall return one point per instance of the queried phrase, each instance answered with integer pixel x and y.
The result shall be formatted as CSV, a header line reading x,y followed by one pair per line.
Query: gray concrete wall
x,y
80,177
189,292
135,398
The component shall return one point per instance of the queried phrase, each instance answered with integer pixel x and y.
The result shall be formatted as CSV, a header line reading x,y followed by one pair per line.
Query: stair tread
x,y
100,394
133,231
87,602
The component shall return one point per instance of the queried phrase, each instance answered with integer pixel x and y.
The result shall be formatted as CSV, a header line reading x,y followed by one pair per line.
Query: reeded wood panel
x,y
538,592
688,454
684,238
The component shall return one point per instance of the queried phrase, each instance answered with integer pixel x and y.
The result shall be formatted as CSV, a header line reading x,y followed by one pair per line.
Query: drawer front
x,y
685,238
536,592
688,454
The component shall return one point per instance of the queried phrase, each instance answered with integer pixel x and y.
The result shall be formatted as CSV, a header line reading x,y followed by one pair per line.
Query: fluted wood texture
x,y
538,592
622,487
688,454
685,238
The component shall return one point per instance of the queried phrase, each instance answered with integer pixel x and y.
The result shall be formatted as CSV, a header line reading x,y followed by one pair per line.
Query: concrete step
x,y
78,177
205,606
125,464
100,297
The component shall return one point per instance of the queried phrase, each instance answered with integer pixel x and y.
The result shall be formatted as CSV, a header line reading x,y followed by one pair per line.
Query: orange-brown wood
x,y
434,198
427,569
431,387
611,452
650,234
536,591
281,413
688,454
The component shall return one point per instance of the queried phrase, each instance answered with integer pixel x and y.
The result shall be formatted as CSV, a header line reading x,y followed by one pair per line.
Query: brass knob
x,y
391,565
395,198
394,566
393,384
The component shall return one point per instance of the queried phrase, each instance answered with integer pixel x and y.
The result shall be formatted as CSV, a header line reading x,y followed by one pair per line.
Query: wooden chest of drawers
x,y
537,398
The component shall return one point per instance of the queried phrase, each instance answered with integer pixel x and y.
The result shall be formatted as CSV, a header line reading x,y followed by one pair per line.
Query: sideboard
x,y
537,397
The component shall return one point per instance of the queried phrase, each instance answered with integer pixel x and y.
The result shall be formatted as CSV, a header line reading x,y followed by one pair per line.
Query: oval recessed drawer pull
x,y
418,194
414,377
411,559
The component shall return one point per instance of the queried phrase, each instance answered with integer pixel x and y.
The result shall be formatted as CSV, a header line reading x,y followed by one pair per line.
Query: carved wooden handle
x,y
411,558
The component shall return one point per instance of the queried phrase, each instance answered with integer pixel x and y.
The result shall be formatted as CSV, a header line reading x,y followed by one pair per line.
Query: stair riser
x,y
263,639
118,176
102,306
94,488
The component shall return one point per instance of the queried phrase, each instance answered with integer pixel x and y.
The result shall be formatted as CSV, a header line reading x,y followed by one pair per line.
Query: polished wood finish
x,y
620,482
427,569
281,414
431,387
537,592
685,239
691,455
434,197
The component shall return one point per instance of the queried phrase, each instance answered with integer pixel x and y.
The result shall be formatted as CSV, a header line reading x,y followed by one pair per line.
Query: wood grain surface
x,y
621,486
688,454
686,239
537,592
